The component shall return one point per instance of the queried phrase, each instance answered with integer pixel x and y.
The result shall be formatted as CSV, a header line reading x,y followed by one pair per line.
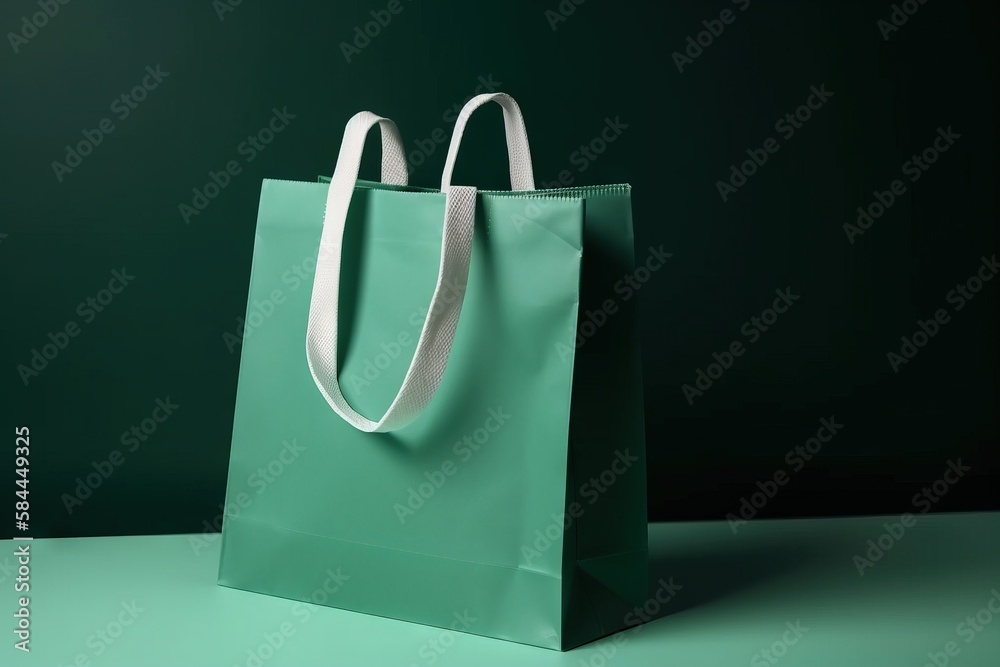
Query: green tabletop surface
x,y
848,592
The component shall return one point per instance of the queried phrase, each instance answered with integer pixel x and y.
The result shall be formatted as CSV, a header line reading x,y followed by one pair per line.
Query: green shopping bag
x,y
502,489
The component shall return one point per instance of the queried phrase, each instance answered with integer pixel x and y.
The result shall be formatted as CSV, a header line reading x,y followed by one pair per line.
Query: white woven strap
x,y
521,175
394,168
434,344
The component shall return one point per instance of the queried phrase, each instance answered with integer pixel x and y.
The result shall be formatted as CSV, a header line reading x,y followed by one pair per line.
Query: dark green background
x,y
827,357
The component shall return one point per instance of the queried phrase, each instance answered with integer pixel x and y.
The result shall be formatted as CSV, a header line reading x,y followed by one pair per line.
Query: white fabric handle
x,y
394,168
521,174
434,344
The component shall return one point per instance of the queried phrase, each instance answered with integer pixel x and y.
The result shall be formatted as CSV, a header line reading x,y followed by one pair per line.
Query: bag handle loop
x,y
438,333
521,175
